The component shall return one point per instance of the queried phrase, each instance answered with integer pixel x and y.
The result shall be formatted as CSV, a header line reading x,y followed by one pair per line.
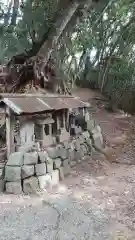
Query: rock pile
x,y
29,172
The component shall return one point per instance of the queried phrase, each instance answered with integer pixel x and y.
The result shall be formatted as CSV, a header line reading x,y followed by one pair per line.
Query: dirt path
x,y
113,125
96,202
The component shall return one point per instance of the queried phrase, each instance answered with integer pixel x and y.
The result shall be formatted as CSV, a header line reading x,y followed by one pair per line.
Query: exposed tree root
x,y
16,76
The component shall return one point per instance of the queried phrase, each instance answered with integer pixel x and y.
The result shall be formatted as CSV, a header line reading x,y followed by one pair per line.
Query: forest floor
x,y
96,202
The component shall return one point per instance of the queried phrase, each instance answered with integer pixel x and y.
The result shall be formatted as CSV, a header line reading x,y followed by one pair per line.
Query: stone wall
x,y
33,171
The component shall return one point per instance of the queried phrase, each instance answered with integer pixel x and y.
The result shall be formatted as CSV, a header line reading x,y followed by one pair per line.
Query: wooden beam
x,y
64,119
32,95
50,129
9,133
67,119
58,123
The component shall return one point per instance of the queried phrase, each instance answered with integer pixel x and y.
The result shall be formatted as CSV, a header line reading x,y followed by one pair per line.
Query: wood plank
x,y
9,133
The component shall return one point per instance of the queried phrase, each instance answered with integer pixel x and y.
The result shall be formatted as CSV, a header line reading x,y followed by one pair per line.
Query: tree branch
x,y
57,29
7,15
15,12
44,48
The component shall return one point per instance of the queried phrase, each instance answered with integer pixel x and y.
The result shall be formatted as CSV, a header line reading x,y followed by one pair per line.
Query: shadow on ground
x,y
93,205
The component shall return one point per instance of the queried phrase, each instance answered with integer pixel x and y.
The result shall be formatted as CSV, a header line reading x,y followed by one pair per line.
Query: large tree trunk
x,y
42,50
57,29
66,10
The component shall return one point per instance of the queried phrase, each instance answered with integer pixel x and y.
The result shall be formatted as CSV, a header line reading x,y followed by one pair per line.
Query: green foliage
x,y
107,36
33,20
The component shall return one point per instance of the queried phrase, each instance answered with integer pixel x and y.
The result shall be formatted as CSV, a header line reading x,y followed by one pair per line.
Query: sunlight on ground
x,y
123,114
62,188
120,237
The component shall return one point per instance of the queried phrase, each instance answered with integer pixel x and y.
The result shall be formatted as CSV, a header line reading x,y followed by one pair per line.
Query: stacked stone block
x,y
29,172
13,173
2,172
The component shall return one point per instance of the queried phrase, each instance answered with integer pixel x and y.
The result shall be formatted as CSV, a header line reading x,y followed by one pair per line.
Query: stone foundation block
x,y
90,124
66,167
49,166
62,152
1,173
81,139
61,173
43,156
30,185
44,181
89,142
30,158
57,163
40,169
77,156
77,144
24,149
71,155
52,152
86,135
48,141
78,130
15,159
55,177
12,174
2,155
82,151
2,185
89,150
98,128
66,144
2,165
98,140
14,187
64,136
27,171
72,145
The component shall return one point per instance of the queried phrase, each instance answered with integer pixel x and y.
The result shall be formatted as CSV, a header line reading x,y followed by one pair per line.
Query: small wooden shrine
x,y
33,121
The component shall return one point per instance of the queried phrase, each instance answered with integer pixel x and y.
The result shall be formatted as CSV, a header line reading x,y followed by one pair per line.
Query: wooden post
x,y
42,131
58,123
42,134
50,129
67,120
9,133
64,119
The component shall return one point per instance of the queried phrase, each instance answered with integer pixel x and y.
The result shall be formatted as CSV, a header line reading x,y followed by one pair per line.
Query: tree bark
x,y
15,12
65,12
7,15
68,9
57,29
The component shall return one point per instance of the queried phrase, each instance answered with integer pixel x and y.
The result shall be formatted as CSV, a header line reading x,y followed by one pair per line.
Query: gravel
x,y
95,202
